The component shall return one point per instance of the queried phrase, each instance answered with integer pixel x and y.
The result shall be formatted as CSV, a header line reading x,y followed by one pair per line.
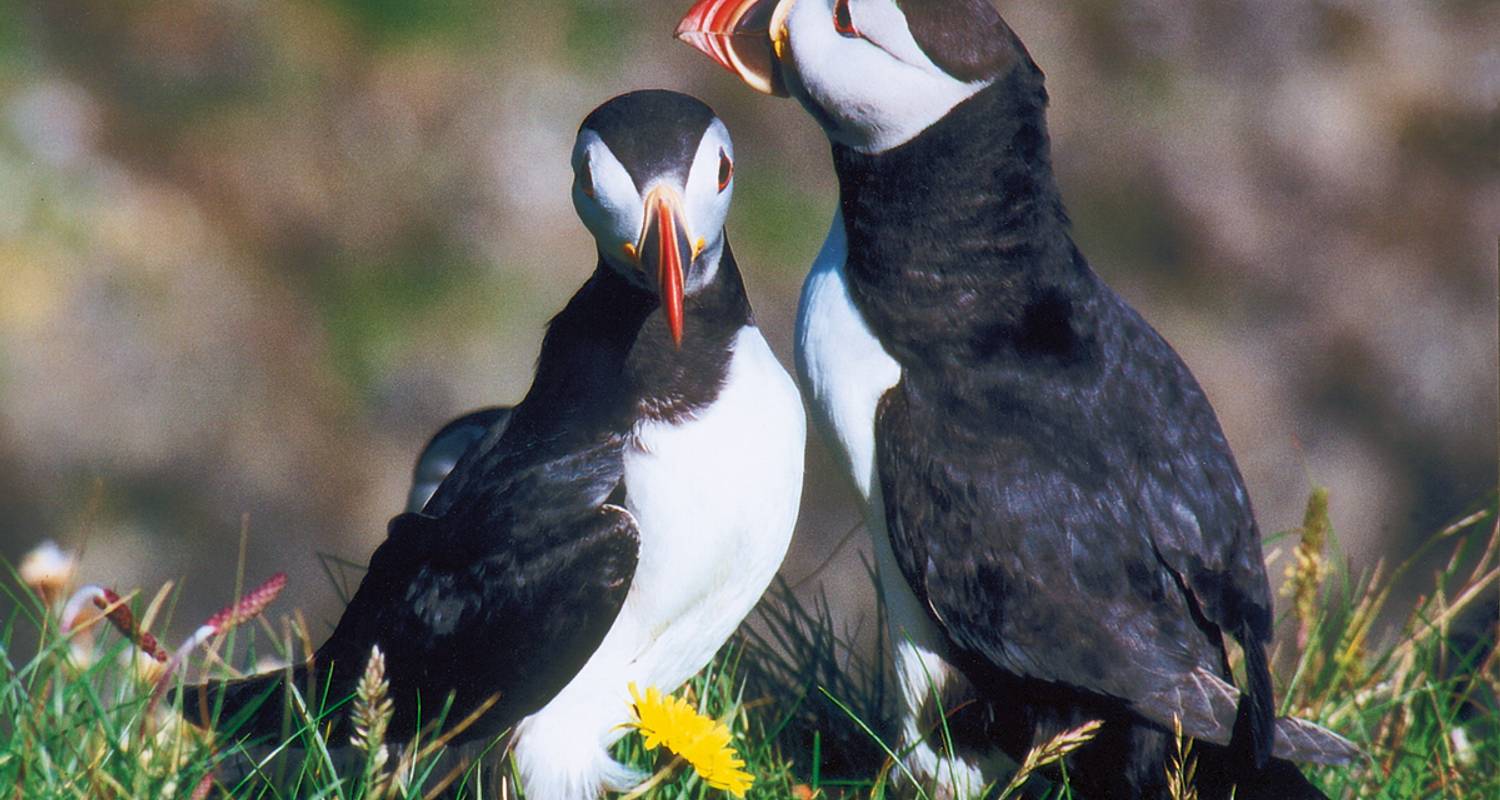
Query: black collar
x,y
958,240
671,382
607,362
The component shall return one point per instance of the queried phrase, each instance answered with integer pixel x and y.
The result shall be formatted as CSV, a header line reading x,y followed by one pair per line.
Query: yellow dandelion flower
x,y
701,741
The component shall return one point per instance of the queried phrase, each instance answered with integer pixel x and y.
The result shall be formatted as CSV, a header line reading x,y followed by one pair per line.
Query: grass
x,y
83,713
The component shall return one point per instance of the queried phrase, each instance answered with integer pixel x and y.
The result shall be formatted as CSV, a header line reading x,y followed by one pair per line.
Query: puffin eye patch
x,y
843,19
726,169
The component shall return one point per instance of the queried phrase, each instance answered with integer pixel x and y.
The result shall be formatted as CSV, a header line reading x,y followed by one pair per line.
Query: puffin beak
x,y
746,37
665,247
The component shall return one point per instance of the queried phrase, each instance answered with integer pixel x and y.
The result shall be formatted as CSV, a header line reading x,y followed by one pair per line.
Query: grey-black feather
x,y
447,447
1057,487
512,580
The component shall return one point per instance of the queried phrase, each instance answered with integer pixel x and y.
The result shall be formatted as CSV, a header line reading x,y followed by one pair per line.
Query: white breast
x,y
715,498
844,371
843,368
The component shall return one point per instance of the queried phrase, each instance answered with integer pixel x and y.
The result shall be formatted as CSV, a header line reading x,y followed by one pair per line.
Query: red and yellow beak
x,y
746,37
666,248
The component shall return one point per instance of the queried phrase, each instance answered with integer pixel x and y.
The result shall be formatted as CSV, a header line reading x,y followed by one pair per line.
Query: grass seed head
x,y
372,705
142,667
1052,751
120,615
1309,567
1182,767
249,607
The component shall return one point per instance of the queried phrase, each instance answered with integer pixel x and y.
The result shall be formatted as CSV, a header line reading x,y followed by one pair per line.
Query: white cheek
x,y
878,100
615,214
705,205
612,226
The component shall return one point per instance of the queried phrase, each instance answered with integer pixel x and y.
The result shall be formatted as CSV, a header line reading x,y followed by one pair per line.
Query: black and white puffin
x,y
632,510
1057,516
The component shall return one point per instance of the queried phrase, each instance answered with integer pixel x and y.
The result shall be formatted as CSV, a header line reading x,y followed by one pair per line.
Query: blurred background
x,y
252,254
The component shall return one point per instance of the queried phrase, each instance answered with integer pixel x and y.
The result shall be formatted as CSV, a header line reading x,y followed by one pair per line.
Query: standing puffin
x,y
1060,526
628,515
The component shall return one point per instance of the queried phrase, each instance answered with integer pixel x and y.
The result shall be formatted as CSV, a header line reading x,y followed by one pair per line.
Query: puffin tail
x,y
1259,761
1280,780
1309,742
1254,734
249,708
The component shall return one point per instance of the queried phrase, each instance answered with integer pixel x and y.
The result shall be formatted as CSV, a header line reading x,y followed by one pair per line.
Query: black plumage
x,y
960,37
1057,488
446,447
1072,530
518,566
653,133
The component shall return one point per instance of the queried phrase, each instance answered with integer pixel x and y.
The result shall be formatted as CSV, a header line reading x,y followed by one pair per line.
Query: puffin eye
x,y
726,169
586,179
843,19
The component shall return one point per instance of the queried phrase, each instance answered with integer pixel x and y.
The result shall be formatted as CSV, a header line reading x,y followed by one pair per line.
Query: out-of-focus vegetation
x,y
252,254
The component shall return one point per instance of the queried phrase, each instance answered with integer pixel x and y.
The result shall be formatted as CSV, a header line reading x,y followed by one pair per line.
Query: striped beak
x,y
666,248
746,37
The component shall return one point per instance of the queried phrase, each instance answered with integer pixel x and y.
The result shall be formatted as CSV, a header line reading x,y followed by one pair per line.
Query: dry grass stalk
x,y
1183,768
1050,752
440,788
411,755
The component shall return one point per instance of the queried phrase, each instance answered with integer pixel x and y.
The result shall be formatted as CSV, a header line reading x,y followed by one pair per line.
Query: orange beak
x,y
665,247
743,36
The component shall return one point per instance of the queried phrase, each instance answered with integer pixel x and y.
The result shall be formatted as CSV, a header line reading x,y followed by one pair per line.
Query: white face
x,y
871,81
613,208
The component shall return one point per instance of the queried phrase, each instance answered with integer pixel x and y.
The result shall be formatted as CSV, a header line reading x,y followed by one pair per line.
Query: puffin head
x,y
653,173
874,73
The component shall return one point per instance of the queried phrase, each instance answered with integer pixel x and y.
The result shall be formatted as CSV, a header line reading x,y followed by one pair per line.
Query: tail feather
x,y
252,707
1280,780
1300,740
1221,775
1259,736
1255,724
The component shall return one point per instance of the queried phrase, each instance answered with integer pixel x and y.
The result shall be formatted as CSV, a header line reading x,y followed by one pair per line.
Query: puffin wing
x,y
514,622
1034,556
510,615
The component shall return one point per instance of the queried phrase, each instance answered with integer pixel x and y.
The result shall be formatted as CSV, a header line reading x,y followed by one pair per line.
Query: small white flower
x,y
48,569
142,666
1463,749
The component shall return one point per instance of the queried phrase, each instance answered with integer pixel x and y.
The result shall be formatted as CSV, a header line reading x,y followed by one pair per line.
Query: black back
x,y
508,581
1057,488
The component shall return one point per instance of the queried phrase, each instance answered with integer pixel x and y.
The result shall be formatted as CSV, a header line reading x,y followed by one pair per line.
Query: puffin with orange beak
x,y
617,525
1061,529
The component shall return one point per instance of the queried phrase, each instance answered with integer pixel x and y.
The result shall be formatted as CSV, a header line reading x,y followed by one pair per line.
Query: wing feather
x,y
1037,548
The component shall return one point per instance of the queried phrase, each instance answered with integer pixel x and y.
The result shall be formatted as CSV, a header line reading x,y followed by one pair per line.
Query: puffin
x,y
446,447
1060,528
622,522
